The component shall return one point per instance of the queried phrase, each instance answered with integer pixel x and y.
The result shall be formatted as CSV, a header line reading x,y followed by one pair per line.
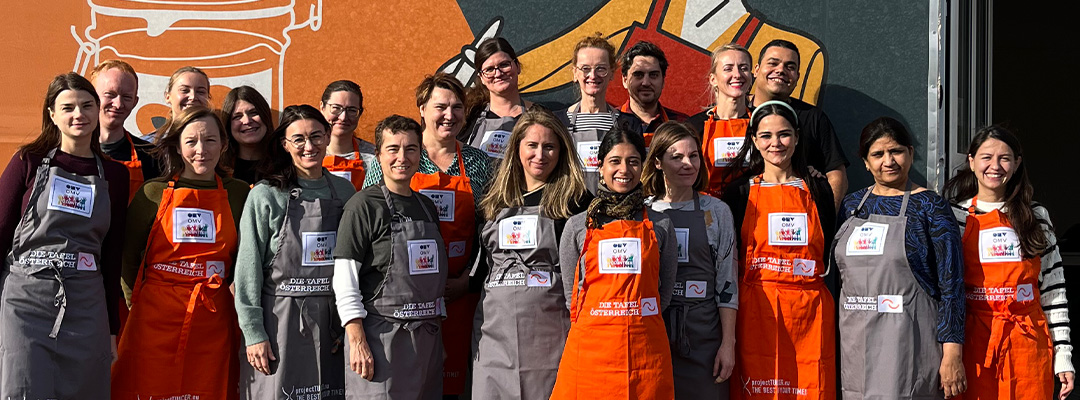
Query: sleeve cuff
x,y
1063,359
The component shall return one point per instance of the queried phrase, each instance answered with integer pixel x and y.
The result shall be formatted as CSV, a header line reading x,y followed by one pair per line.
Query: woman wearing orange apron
x,y
181,337
1010,351
786,325
248,125
723,127
342,104
619,263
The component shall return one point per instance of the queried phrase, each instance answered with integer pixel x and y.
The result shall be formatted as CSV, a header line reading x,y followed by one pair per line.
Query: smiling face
x,y
347,106
776,140
189,89
399,156
538,152
498,81
889,162
731,75
305,140
593,59
644,80
201,145
118,92
75,113
443,114
994,164
246,124
621,168
680,164
778,71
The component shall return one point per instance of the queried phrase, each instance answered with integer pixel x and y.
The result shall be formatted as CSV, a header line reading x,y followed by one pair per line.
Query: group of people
x,y
506,251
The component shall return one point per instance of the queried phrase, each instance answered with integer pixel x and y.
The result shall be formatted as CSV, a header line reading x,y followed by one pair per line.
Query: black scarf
x,y
615,205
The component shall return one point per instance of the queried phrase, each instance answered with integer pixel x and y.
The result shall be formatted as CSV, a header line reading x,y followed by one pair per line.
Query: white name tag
x,y
215,268
868,240
803,267
649,307
999,245
71,197
444,202
682,236
318,248
620,256
423,257
696,289
193,225
589,152
1025,292
494,143
893,304
86,262
344,174
788,229
725,150
518,232
538,279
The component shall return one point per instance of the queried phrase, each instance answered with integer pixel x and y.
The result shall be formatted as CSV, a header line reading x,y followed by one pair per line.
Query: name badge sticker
x,y
71,197
494,143
803,267
589,152
444,202
868,239
1025,292
696,289
538,279
86,262
215,268
725,150
892,304
649,307
620,256
999,245
455,249
519,232
423,257
343,174
318,248
788,229
682,236
193,225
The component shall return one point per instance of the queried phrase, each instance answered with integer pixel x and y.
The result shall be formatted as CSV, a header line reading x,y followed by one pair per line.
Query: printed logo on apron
x,y
518,232
893,304
455,249
589,152
494,143
1025,292
649,307
71,197
696,289
682,236
193,225
803,267
344,174
725,150
538,279
999,245
620,256
868,240
318,248
444,202
215,268
788,229
423,257
87,262
860,303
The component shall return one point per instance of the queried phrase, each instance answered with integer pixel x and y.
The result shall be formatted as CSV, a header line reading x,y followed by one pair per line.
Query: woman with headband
x,y
723,126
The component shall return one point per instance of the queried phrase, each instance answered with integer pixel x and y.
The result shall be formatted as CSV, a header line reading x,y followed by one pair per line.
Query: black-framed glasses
x,y
601,71
503,67
302,141
351,112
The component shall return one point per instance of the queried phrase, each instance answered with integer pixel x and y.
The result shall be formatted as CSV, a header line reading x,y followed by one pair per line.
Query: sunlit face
x,y
778,71
306,140
731,76
201,146
342,110
644,80
621,168
993,164
247,125
443,114
399,156
539,152
888,161
776,140
492,73
188,90
597,61
75,113
119,93
680,164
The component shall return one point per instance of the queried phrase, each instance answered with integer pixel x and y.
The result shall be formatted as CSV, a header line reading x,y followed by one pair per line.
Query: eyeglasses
x,y
503,67
301,141
600,70
351,112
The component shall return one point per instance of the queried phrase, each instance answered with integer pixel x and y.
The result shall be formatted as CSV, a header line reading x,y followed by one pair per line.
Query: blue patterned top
x,y
934,252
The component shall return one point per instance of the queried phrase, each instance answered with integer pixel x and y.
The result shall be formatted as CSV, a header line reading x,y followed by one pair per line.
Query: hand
x,y
259,356
1066,379
115,355
360,359
456,287
953,380
725,361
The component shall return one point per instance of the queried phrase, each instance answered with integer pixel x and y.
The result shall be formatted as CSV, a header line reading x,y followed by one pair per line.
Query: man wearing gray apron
x,y
522,321
888,322
298,304
48,351
404,317
587,141
490,133
693,320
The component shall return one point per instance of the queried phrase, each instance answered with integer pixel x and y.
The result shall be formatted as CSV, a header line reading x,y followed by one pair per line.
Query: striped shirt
x,y
592,121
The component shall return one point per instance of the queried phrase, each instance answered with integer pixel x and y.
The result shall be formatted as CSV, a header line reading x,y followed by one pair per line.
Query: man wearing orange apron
x,y
785,330
453,197
1007,350
617,347
188,257
350,168
721,140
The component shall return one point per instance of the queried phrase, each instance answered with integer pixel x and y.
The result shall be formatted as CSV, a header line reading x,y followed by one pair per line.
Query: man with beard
x,y
644,68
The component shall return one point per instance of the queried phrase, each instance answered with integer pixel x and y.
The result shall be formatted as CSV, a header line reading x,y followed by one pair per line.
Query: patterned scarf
x,y
615,205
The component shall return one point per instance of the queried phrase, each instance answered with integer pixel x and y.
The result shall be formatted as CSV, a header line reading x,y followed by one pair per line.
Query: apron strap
x,y
697,202
330,185
971,208
60,301
197,296
575,307
134,155
389,203
904,202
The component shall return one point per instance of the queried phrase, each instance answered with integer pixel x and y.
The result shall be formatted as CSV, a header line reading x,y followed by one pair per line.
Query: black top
x,y
121,151
814,125
245,170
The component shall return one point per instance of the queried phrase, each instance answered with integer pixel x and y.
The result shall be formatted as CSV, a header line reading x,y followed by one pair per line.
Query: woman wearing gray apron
x,y
390,272
901,298
701,319
522,320
61,215
495,105
285,264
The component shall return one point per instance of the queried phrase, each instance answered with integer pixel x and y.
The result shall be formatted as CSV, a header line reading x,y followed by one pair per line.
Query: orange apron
x,y
625,109
785,327
352,170
1007,349
720,144
180,338
617,347
453,198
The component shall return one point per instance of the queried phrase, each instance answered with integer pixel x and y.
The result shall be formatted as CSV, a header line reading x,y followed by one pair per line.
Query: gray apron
x,y
693,321
405,315
298,306
588,147
888,340
491,135
522,320
54,327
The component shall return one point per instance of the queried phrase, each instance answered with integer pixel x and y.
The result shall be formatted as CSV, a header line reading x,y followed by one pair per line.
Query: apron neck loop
x,y
971,208
134,155
904,202
697,202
